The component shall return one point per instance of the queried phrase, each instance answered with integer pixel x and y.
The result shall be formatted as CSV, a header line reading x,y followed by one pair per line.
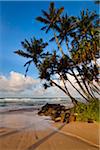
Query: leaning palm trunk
x,y
85,92
58,44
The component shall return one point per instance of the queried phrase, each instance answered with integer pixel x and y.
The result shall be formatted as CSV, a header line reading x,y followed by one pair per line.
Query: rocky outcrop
x,y
57,112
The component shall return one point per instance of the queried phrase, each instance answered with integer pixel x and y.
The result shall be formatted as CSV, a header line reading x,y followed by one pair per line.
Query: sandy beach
x,y
25,130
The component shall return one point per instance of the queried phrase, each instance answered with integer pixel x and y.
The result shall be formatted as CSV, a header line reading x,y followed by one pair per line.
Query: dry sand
x,y
41,136
88,131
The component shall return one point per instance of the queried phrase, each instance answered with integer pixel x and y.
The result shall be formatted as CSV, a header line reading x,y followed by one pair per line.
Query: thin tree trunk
x,y
87,88
74,101
59,46
58,86
77,90
80,85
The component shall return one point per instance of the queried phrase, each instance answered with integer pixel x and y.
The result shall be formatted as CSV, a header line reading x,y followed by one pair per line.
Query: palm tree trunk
x,y
80,85
74,101
87,88
77,90
59,46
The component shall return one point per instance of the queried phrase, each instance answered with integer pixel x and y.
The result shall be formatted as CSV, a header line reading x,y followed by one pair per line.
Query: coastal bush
x,y
88,111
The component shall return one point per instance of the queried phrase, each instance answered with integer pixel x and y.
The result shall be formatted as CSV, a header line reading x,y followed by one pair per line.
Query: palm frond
x,y
52,39
51,8
59,11
28,62
43,28
23,54
48,28
43,20
46,14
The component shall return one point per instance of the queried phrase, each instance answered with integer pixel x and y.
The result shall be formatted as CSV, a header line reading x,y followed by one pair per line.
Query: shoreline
x,y
17,110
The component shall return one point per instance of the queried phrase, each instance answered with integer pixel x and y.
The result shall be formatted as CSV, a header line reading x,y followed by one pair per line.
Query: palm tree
x,y
86,39
85,49
51,18
33,51
65,28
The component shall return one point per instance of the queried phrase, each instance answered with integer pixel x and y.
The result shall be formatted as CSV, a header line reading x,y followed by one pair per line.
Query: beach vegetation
x,y
88,112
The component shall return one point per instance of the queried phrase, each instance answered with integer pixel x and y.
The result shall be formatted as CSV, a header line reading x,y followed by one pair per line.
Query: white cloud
x,y
16,82
17,85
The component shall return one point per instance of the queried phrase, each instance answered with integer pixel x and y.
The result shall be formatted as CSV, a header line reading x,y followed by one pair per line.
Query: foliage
x,y
88,111
79,36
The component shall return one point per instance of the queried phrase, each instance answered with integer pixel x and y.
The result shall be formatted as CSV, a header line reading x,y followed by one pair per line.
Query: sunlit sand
x,y
27,131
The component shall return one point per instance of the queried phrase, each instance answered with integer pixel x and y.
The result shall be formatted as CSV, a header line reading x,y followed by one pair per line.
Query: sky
x,y
17,22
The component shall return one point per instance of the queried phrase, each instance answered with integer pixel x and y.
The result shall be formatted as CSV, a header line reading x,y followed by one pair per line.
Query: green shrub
x,y
88,111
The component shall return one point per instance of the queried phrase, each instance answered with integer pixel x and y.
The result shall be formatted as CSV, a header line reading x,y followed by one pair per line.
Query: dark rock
x,y
56,111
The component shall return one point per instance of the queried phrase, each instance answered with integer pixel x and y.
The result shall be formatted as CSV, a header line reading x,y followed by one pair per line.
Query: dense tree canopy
x,y
78,58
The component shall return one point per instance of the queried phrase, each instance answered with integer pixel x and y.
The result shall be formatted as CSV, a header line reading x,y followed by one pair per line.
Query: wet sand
x,y
28,131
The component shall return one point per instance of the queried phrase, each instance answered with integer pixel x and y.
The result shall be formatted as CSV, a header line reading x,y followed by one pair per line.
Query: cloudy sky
x,y
17,22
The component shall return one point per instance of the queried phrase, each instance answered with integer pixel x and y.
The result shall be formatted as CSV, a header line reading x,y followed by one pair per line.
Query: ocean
x,y
16,103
